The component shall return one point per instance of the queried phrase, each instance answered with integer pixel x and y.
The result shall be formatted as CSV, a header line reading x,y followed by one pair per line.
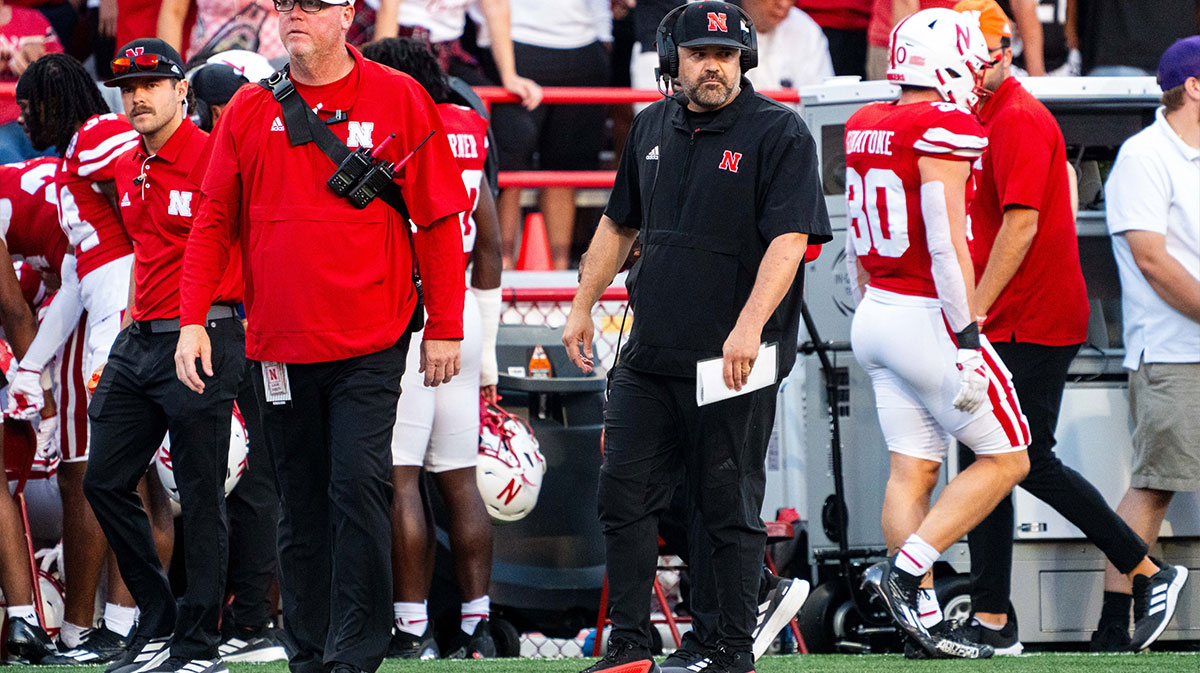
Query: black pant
x,y
253,509
1039,374
847,51
137,400
653,431
332,446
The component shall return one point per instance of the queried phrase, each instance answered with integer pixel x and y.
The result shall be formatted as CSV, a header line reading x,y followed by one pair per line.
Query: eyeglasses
x,y
144,63
308,6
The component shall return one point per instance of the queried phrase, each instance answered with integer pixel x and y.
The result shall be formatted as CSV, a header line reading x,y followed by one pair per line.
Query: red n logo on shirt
x,y
717,21
730,161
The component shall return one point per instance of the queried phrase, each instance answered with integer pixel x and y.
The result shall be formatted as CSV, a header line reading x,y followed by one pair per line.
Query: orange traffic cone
x,y
535,247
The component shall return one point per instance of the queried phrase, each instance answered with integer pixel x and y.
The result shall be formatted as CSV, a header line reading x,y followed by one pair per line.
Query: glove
x,y
47,439
25,395
973,381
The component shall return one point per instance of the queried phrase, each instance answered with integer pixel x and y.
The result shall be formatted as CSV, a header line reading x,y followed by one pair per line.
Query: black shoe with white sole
x,y
780,606
1159,593
1005,641
28,643
186,665
142,654
257,648
688,653
100,646
955,640
405,645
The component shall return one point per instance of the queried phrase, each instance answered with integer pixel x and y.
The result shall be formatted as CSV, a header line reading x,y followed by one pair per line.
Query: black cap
x,y
215,83
706,23
169,62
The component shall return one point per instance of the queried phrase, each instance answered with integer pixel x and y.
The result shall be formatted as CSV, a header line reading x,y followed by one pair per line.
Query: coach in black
x,y
723,186
139,398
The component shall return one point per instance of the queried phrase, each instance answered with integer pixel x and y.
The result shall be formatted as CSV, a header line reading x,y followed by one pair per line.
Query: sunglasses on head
x,y
309,6
144,63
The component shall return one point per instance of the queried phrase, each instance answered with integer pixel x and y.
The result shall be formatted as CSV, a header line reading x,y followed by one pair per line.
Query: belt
x,y
165,325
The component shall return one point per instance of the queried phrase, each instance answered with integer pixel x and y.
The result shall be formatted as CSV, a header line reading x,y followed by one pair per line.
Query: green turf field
x,y
1038,663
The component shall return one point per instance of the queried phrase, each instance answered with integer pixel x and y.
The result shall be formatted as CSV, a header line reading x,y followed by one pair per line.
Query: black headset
x,y
668,51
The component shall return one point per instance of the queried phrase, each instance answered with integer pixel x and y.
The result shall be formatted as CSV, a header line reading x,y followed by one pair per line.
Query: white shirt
x,y
793,55
558,24
444,19
1155,186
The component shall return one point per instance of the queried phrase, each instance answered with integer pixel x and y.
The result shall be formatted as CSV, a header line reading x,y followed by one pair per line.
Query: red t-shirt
x,y
28,217
839,14
880,29
326,281
25,26
158,215
467,133
84,212
883,185
1025,165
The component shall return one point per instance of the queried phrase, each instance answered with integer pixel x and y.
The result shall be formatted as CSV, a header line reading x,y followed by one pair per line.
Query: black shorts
x,y
554,137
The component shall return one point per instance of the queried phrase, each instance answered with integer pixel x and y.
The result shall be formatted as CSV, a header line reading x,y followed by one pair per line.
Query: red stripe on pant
x,y
1010,396
72,409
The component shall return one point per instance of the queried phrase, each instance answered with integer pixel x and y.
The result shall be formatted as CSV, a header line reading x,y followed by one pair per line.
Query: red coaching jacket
x,y
325,281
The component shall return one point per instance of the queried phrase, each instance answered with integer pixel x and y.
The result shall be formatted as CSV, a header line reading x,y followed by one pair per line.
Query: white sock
x,y
25,613
411,618
916,557
474,611
928,609
119,619
990,625
71,635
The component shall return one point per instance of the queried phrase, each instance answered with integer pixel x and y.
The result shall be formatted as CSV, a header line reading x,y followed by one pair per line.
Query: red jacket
x,y
325,281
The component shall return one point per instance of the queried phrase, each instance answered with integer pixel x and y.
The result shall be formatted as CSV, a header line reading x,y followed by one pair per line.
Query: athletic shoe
x,y
405,645
478,645
955,640
780,606
1005,641
624,656
1111,637
28,643
258,648
1159,593
100,646
719,661
142,654
186,665
688,653
898,592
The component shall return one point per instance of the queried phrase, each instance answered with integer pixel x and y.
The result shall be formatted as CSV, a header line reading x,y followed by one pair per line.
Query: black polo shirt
x,y
709,192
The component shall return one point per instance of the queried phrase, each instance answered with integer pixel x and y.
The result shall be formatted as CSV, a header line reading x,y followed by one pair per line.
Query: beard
x,y
708,97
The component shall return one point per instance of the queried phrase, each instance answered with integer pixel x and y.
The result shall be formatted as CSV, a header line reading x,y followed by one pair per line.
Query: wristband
x,y
968,337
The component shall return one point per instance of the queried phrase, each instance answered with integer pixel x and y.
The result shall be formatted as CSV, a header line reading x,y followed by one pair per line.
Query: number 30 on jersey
x,y
877,209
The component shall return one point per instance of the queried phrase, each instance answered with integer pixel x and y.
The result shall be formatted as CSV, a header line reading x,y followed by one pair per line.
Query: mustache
x,y
139,109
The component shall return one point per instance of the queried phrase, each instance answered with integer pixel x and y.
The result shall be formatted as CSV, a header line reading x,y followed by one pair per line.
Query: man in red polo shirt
x,y
330,300
138,398
1033,308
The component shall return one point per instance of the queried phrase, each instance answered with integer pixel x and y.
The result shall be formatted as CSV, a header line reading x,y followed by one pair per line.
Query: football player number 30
x,y
878,212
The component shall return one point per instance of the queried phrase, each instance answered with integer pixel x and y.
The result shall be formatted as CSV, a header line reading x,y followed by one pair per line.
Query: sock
x,y
71,635
991,626
411,618
119,619
1115,609
928,609
474,611
25,613
916,557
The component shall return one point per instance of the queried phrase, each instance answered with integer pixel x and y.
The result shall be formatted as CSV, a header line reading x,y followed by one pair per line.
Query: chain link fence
x,y
549,307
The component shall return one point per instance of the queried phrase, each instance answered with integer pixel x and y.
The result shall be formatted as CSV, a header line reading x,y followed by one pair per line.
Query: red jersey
x,y
324,280
883,185
467,133
84,212
28,216
158,214
1045,302
26,26
839,14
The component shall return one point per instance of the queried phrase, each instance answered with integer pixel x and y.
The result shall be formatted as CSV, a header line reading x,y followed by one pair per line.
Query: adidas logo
x,y
277,125
653,155
125,200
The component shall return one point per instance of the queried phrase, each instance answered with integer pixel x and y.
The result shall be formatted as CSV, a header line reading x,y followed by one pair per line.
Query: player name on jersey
x,y
872,141
463,145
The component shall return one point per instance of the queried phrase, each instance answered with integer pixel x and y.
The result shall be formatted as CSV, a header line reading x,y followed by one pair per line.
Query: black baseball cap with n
x,y
712,23
145,57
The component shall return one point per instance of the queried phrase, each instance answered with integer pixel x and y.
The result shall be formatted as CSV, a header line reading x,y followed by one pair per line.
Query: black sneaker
x,y
258,648
780,606
186,665
28,643
723,661
898,592
689,652
955,640
1004,642
1159,594
101,645
142,654
624,656
1111,637
405,645
478,645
